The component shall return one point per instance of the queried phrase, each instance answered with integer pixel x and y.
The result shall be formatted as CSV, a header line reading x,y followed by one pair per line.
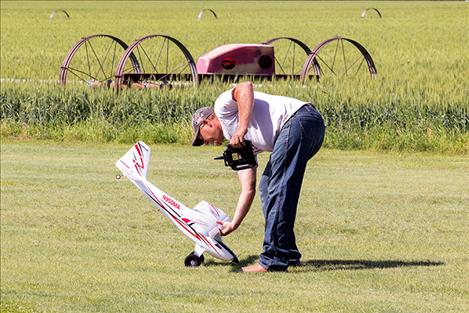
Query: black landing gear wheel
x,y
192,260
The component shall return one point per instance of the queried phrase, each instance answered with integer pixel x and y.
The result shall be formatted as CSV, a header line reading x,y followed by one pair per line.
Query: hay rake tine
x,y
73,70
280,65
148,57
286,53
167,55
324,62
293,62
88,59
105,57
343,53
99,62
354,62
184,66
359,66
113,58
141,59
130,68
169,74
335,54
79,77
161,51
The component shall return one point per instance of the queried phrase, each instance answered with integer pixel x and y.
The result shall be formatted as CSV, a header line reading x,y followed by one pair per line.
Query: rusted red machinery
x,y
159,61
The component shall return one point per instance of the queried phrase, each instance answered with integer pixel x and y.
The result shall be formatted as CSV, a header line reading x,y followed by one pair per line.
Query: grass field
x,y
380,232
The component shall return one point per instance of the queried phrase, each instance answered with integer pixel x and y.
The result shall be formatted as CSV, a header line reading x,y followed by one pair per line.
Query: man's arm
x,y
247,179
243,94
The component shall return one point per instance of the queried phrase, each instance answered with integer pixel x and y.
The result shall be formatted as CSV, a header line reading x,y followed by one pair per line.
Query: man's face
x,y
211,132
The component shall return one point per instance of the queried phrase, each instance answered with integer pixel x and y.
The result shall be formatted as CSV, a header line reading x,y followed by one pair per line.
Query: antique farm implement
x,y
161,61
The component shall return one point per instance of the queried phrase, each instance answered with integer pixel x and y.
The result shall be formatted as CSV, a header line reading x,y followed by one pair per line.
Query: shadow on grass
x,y
332,265
234,267
337,265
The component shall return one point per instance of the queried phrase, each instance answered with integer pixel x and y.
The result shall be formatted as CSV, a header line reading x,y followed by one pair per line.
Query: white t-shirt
x,y
269,114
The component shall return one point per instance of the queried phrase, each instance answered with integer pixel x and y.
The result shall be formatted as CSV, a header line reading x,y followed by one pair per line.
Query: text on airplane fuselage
x,y
171,202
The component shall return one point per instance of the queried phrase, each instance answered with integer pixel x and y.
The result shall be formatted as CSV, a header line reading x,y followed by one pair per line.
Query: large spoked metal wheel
x,y
163,62
290,55
93,61
340,58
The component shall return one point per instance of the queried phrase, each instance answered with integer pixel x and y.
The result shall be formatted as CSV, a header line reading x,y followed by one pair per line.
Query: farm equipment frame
x,y
161,61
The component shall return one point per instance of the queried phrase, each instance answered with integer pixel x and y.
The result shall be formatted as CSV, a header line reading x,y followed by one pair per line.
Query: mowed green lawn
x,y
379,233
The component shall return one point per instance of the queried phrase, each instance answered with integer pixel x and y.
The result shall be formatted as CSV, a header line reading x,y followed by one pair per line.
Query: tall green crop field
x,y
418,101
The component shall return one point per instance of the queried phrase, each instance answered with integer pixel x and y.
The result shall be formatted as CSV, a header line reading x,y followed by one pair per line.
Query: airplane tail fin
x,y
135,162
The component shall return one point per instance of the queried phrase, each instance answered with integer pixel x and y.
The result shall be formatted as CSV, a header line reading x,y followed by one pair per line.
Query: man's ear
x,y
233,96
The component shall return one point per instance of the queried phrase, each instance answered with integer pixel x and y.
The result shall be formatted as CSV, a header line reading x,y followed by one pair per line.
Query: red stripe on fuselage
x,y
162,205
205,239
196,235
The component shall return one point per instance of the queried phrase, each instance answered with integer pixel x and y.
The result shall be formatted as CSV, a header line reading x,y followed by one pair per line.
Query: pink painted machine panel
x,y
248,59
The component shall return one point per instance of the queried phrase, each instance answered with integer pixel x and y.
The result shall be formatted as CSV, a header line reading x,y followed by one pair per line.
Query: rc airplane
x,y
199,224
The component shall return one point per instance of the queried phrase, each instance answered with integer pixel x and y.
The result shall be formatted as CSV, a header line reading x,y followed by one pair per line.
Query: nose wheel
x,y
193,260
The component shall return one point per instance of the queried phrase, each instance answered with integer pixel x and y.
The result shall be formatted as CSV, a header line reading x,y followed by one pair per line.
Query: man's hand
x,y
226,227
238,138
247,179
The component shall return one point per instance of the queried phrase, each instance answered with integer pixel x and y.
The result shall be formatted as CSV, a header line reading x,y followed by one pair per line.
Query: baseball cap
x,y
197,120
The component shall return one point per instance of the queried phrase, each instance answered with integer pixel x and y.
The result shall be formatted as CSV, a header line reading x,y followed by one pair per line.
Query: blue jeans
x,y
299,139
